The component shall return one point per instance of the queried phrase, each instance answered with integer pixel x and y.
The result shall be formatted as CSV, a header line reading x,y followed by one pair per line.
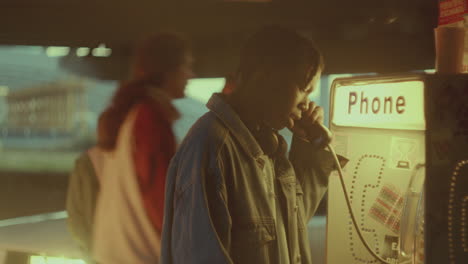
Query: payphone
x,y
406,182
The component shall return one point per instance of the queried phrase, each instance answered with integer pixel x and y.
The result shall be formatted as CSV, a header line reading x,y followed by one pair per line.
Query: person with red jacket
x,y
137,133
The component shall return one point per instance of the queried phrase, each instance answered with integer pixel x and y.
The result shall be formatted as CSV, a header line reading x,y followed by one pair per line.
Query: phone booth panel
x,y
384,125
446,219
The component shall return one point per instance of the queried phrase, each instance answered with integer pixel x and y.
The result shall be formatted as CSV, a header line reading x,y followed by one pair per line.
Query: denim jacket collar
x,y
231,119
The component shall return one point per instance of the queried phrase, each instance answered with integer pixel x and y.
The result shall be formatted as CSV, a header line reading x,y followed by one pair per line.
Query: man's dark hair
x,y
282,54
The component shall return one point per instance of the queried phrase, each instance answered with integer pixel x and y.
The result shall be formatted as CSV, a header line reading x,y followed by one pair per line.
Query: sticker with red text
x,y
451,11
387,207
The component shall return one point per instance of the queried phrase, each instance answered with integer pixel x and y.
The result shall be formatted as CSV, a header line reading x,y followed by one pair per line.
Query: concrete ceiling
x,y
355,36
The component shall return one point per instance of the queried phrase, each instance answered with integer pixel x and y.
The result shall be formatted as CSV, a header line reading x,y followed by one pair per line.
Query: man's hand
x,y
308,127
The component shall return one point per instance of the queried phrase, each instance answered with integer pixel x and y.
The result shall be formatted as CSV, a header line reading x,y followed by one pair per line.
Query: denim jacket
x,y
218,207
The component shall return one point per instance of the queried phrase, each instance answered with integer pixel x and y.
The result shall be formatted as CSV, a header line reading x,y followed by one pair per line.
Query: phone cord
x,y
348,203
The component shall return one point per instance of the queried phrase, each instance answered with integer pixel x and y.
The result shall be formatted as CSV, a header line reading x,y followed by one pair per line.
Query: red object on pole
x,y
451,11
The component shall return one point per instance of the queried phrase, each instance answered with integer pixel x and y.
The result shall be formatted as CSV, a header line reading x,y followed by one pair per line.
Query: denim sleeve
x,y
312,166
217,200
199,221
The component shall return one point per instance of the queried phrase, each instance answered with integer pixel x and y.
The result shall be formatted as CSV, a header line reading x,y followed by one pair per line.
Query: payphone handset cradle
x,y
412,209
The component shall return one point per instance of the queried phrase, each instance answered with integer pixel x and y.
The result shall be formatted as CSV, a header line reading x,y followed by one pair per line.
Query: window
x,y
47,110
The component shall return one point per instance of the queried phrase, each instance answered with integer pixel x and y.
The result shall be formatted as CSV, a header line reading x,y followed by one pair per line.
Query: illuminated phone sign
x,y
397,105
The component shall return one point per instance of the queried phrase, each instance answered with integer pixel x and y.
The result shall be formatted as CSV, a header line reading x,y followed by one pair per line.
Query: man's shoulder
x,y
208,128
199,150
207,135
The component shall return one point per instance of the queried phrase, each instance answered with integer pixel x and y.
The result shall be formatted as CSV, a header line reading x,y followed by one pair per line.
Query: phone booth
x,y
406,138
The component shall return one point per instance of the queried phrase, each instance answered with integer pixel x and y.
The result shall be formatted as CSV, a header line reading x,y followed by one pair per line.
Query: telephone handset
x,y
322,137
268,139
326,133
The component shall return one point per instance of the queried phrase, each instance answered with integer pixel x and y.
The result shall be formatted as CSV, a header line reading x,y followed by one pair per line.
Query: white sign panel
x,y
390,105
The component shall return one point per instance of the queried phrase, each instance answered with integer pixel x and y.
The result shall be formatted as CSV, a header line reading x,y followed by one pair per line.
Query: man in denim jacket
x,y
232,195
